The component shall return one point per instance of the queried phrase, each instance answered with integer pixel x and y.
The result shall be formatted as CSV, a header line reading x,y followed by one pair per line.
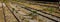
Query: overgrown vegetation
x,y
14,10
33,15
50,9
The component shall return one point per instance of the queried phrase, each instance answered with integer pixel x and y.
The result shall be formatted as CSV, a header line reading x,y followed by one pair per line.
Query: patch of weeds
x,y
33,15
34,11
13,9
30,14
50,9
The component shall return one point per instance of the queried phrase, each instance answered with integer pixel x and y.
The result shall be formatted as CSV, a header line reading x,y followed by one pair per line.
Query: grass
x,y
13,9
50,9
33,15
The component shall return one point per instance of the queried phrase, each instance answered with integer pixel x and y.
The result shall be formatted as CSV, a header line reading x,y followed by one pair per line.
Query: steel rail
x,y
4,13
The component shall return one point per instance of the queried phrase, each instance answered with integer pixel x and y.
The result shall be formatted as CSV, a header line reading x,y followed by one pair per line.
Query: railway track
x,y
31,10
41,15
42,12
45,12
57,8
